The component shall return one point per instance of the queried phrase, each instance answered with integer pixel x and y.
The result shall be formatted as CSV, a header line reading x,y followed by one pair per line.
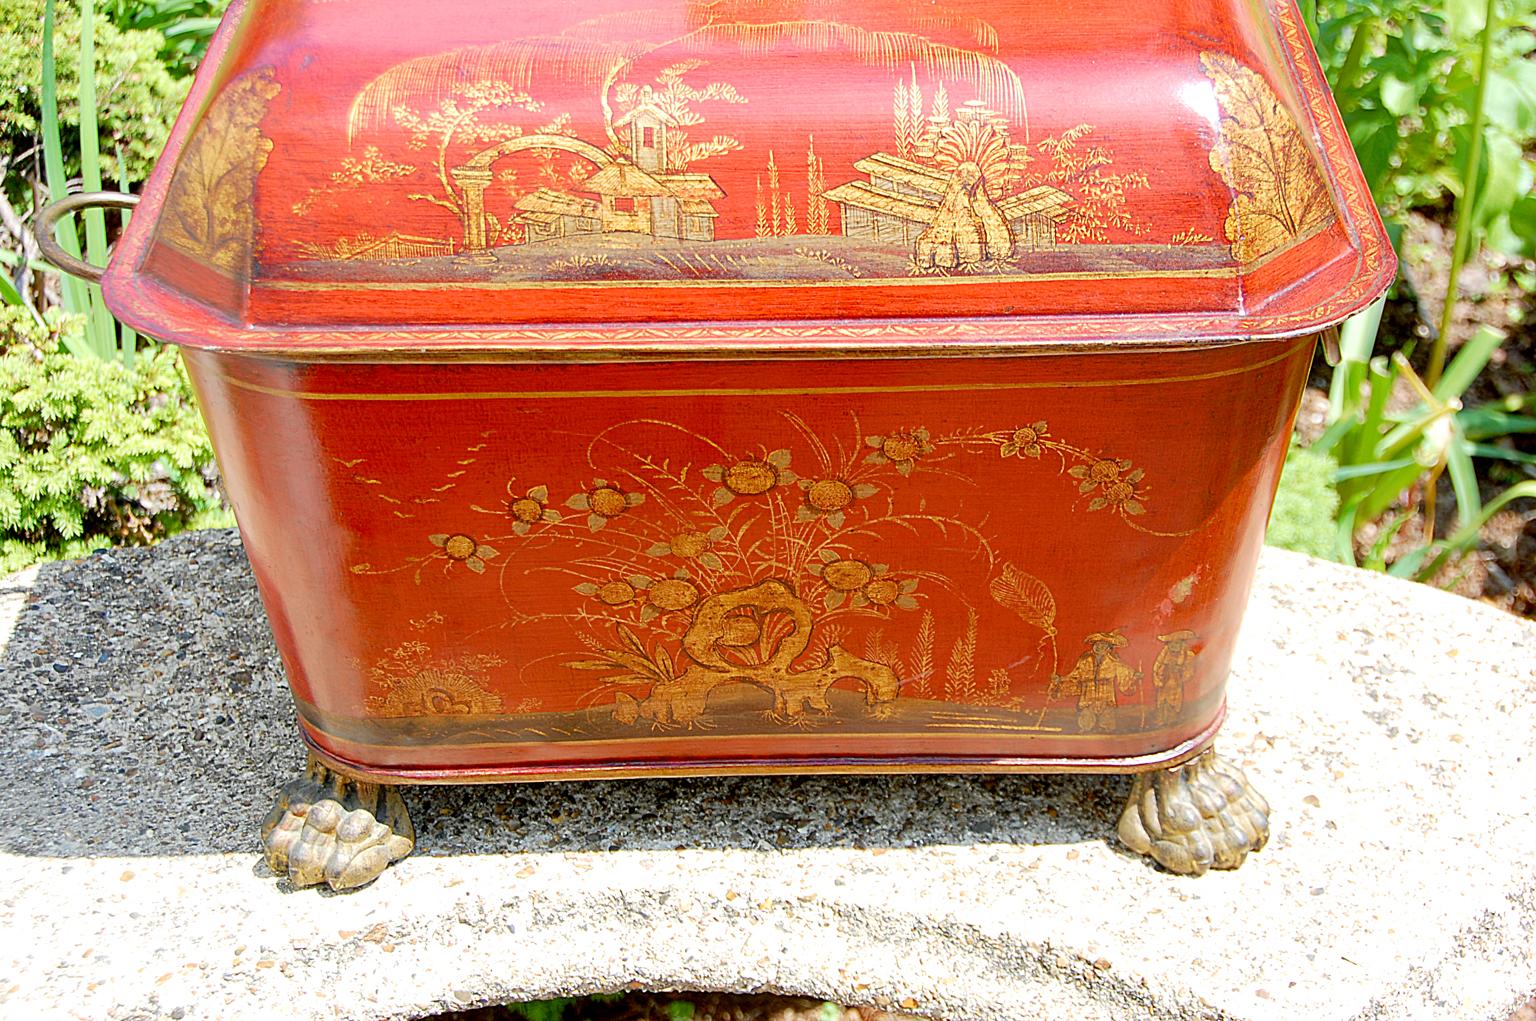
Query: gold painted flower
x,y
603,501
652,596
886,591
901,448
846,575
749,476
691,544
1103,472
1025,441
1120,495
674,594
830,498
436,691
459,548
861,583
616,592
530,509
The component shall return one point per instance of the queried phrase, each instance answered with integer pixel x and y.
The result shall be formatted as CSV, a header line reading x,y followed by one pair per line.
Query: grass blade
x,y
8,292
1488,450
1376,556
1458,464
1357,338
1365,471
102,327
75,296
1483,423
1470,360
1387,488
1344,536
1466,536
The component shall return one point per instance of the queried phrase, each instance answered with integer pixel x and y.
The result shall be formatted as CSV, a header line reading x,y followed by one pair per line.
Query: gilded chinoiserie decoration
x,y
326,827
704,572
1172,672
209,215
1094,680
1201,815
412,683
701,386
1278,193
630,150
724,644
1112,484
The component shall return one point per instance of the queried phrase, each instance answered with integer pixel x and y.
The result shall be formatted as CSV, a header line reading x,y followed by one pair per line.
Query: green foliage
x,y
1384,451
187,25
101,336
1405,75
542,1010
1440,102
1305,505
555,1009
136,96
94,452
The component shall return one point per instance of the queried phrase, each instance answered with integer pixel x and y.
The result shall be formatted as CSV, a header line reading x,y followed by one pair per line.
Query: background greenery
x,y
1424,437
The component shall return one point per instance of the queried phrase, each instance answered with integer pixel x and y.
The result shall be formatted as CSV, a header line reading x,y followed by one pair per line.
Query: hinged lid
x,y
599,177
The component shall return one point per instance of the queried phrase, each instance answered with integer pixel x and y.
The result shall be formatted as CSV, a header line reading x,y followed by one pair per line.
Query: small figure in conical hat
x,y
1174,667
1094,679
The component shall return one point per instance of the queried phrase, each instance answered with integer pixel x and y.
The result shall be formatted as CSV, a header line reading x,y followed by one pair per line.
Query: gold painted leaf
x,y
1027,596
208,213
1277,191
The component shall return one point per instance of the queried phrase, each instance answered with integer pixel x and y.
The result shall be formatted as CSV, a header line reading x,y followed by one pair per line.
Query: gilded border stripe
x,y
529,395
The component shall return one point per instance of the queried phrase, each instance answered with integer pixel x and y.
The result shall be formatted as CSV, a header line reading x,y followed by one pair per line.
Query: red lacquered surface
x,y
655,385
578,180
505,568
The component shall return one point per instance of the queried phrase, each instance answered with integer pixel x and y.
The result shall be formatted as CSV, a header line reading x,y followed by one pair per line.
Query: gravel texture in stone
x,y
146,725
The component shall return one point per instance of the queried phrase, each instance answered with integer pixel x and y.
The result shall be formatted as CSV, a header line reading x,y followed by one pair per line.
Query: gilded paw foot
x,y
326,827
1197,816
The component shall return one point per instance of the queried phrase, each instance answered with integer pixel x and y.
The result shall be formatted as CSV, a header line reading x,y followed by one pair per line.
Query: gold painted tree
x,y
1084,168
816,209
775,200
907,111
457,122
674,96
1277,191
355,171
938,124
761,228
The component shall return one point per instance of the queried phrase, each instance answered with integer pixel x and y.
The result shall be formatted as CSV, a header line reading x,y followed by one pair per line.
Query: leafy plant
x,y
1305,505
94,452
136,97
1422,87
80,100
1383,452
1440,104
185,25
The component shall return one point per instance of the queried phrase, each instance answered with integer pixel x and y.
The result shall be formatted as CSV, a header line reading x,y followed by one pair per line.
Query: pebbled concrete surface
x,y
145,725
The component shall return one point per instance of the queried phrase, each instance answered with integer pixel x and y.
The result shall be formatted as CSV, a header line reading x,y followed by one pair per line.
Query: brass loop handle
x,y
53,212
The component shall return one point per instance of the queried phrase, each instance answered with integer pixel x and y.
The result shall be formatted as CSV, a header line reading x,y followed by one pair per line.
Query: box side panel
x,y
509,569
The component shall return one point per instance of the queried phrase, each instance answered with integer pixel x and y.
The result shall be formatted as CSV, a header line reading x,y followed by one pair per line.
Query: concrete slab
x,y
145,726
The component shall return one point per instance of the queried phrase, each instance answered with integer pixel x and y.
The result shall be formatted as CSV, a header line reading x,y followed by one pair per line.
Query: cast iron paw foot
x,y
1198,816
332,829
